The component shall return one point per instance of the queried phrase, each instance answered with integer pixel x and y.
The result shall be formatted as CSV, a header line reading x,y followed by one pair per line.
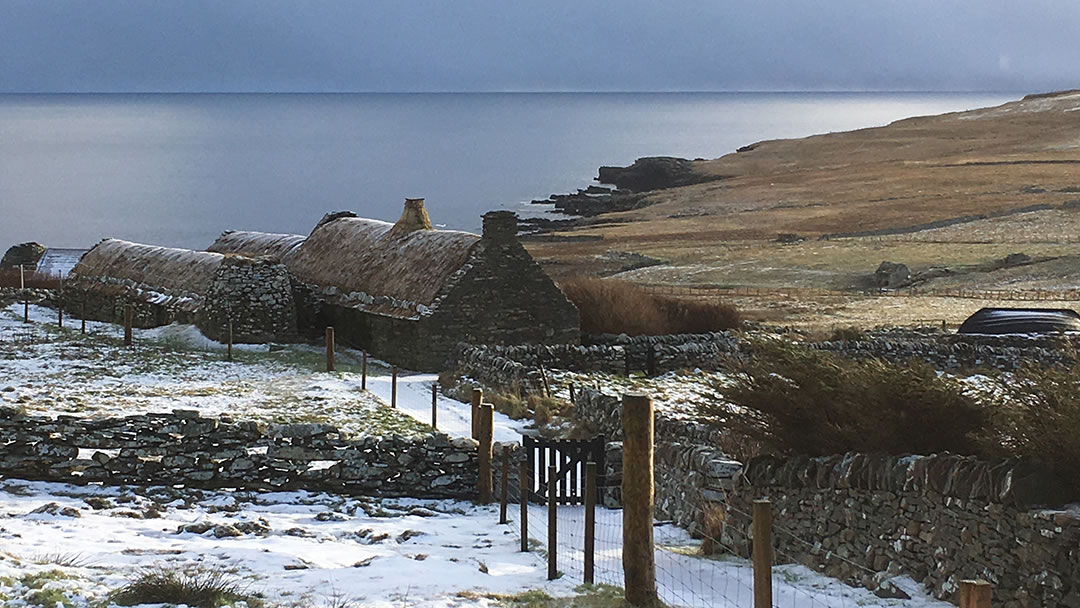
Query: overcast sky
x,y
541,45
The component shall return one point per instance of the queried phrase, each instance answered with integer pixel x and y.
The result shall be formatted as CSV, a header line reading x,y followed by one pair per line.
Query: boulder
x,y
1016,259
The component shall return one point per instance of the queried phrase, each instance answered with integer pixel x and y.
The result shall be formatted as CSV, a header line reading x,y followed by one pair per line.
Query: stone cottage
x,y
408,293
165,285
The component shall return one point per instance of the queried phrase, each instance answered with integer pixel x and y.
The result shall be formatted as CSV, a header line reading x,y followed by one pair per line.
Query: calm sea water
x,y
178,169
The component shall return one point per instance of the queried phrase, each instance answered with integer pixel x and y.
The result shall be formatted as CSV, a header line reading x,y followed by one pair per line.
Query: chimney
x,y
500,225
413,218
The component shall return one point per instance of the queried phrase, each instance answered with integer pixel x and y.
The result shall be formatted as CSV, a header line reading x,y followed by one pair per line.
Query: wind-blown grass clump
x,y
200,588
619,307
1037,418
803,401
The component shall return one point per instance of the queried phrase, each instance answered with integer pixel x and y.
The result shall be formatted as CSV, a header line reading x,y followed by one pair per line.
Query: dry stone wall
x,y
689,471
939,519
519,365
865,518
183,447
256,295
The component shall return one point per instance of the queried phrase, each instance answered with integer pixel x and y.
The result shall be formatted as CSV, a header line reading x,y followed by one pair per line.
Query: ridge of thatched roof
x,y
371,269
180,270
256,244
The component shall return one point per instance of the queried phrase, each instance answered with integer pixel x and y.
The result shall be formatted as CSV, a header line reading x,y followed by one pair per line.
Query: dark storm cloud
x,y
424,45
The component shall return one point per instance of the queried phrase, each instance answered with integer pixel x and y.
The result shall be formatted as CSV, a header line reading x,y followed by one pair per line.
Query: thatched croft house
x,y
408,293
165,285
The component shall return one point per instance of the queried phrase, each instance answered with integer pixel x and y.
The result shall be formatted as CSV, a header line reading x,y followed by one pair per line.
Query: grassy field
x,y
996,164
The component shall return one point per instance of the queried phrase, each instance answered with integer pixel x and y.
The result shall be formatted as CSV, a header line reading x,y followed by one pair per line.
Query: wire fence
x,y
717,569
1027,295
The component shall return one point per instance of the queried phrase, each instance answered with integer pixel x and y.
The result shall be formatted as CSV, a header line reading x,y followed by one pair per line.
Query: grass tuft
x,y
199,588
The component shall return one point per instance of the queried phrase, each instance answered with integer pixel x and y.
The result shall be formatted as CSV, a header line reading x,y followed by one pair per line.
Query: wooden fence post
x,y
639,561
60,306
484,480
363,371
477,397
590,521
229,332
129,315
553,518
523,503
26,297
83,315
393,387
975,594
504,480
762,554
435,405
330,349
573,397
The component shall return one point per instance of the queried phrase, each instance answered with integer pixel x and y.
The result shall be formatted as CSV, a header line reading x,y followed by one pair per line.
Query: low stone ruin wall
x,y
519,366
509,366
960,351
183,447
939,519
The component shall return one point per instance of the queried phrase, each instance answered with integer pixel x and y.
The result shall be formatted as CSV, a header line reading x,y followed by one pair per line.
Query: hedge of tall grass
x,y
796,400
618,307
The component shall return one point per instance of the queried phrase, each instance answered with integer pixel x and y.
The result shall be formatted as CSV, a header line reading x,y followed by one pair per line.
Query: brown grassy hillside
x,y
992,162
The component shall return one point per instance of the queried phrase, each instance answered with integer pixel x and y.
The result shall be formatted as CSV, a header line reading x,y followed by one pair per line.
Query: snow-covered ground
x,y
296,548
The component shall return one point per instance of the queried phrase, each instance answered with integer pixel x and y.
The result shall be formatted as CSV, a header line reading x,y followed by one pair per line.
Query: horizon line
x,y
549,92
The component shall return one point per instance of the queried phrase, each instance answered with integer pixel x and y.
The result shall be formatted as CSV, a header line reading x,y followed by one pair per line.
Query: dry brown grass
x,y
619,307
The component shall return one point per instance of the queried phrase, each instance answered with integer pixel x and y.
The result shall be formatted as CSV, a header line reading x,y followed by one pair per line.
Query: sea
x,y
177,170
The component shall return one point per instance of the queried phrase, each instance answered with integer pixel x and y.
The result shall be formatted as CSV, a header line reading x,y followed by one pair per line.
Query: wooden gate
x,y
568,456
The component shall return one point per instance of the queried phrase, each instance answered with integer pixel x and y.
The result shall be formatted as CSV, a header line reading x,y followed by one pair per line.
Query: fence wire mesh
x,y
713,570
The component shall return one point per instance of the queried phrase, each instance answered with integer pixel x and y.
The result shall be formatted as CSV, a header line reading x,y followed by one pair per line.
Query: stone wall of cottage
x,y
187,448
256,295
499,296
104,299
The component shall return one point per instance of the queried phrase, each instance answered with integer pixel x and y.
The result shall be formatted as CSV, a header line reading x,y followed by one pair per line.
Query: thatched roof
x,y
367,266
179,270
256,244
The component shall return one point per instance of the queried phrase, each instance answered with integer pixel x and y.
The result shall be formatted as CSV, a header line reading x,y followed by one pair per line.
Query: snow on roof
x,y
165,267
59,262
356,255
254,244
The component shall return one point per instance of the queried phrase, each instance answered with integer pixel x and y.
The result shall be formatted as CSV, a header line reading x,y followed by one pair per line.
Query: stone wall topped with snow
x,y
186,448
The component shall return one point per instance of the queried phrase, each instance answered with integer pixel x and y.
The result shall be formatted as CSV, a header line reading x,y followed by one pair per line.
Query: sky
x,y
538,45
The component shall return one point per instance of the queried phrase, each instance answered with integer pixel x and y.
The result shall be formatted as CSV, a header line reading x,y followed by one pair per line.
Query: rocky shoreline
x,y
623,189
